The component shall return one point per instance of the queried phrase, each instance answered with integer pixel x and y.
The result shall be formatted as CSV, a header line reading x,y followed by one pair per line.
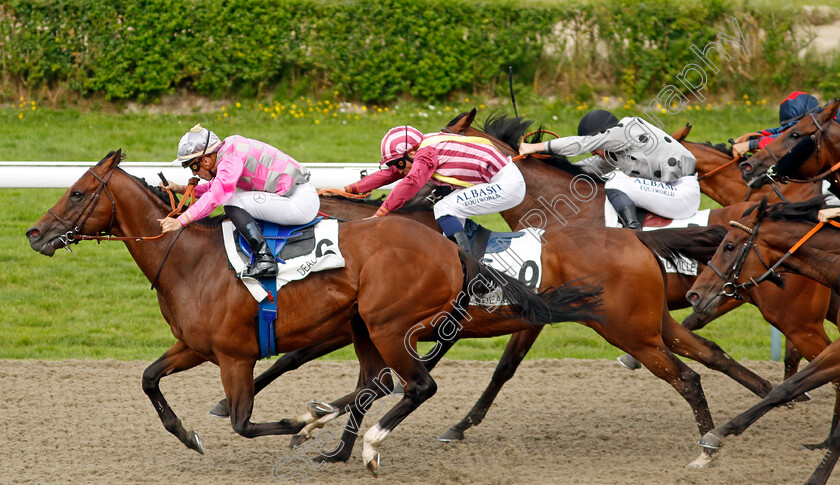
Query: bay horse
x,y
686,345
761,246
808,150
720,179
398,274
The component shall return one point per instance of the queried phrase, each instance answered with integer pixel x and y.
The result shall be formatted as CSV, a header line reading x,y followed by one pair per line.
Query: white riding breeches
x,y
678,200
506,189
299,208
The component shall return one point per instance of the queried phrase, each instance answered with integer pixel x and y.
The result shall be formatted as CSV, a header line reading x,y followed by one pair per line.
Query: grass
x,y
95,303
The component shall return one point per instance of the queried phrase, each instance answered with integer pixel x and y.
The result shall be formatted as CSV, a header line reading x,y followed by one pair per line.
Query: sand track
x,y
566,422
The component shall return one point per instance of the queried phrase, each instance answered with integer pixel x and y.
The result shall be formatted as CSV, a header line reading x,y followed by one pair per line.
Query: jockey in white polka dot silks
x,y
656,171
485,181
251,179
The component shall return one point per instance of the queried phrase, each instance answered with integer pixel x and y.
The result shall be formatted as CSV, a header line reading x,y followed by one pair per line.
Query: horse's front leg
x,y
237,379
176,359
288,362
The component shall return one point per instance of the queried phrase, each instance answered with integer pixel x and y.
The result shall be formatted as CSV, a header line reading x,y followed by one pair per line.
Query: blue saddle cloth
x,y
484,241
280,240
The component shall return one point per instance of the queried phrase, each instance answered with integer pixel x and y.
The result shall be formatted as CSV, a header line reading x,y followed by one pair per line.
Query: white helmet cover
x,y
195,142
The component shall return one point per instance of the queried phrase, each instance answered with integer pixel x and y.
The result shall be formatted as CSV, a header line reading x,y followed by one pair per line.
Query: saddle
x,y
285,242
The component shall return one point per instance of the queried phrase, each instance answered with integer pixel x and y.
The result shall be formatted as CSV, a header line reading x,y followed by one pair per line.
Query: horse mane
x,y
795,211
510,131
209,221
697,243
721,147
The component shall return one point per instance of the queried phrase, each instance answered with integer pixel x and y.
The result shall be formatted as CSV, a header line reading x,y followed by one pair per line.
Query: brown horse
x,y
541,177
810,149
720,179
765,236
398,275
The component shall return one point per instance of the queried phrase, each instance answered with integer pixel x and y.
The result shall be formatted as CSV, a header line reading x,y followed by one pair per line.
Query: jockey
x,y
657,172
796,105
485,181
251,179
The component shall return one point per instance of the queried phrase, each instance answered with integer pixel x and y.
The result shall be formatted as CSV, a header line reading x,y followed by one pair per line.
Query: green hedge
x,y
378,50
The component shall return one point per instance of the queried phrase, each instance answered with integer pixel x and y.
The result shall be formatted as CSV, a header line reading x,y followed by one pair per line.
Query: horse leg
x,y
824,469
288,362
418,387
692,322
370,384
666,366
688,344
518,346
237,379
178,358
823,369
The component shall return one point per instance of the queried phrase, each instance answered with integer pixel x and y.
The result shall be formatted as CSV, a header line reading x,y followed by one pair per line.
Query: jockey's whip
x,y
512,97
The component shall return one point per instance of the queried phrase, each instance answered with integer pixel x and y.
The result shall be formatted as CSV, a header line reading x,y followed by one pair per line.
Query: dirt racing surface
x,y
563,422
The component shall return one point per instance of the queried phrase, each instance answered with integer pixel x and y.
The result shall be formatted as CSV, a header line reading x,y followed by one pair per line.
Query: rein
x,y
535,155
730,288
714,171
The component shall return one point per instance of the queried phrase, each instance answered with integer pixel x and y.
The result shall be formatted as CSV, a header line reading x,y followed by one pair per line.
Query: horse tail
x,y
697,243
573,301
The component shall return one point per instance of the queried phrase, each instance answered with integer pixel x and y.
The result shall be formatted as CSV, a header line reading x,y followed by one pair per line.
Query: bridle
x,y
772,172
730,286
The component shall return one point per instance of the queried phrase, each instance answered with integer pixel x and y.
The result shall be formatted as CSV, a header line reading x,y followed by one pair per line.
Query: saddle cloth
x,y
516,254
321,252
653,222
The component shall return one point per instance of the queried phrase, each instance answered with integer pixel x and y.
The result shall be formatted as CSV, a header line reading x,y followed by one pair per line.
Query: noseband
x,y
74,229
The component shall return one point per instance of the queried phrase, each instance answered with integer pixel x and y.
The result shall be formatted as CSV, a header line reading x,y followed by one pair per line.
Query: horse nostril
x,y
746,167
693,297
33,233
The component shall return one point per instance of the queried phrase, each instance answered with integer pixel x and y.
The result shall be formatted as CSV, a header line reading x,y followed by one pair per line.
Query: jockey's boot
x,y
264,265
463,241
629,218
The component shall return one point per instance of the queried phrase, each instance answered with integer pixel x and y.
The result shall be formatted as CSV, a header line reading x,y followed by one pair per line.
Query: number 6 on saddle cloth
x,y
292,244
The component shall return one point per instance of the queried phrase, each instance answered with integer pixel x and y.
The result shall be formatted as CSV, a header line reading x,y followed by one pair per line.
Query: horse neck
x,y
137,212
818,258
549,197
349,210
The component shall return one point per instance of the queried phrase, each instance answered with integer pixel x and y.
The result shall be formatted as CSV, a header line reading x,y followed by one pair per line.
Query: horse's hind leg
x,y
288,362
687,344
178,358
518,346
826,466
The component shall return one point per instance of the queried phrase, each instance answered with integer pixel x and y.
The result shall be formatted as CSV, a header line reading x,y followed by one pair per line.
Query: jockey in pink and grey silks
x,y
248,165
252,180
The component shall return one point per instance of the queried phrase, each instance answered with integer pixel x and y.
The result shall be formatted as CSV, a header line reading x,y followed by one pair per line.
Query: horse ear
x,y
463,123
762,208
830,111
682,133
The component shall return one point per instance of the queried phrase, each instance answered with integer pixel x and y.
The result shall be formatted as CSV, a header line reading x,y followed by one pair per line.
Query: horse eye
x,y
76,195
729,247
795,135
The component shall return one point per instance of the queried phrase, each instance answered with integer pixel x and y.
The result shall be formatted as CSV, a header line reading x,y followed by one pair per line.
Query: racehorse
x,y
398,274
720,179
764,243
810,150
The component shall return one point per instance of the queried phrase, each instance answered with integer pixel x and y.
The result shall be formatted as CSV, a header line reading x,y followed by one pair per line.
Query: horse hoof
x,y
711,441
194,442
804,397
297,440
221,409
629,362
704,459
451,434
320,409
373,466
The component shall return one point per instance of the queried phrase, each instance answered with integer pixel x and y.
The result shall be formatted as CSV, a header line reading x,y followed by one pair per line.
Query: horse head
x,y
797,152
80,210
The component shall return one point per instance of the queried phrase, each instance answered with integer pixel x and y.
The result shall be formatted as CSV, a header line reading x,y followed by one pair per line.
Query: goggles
x,y
194,163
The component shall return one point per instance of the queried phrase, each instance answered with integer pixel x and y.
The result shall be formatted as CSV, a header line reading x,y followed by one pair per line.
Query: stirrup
x,y
254,271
